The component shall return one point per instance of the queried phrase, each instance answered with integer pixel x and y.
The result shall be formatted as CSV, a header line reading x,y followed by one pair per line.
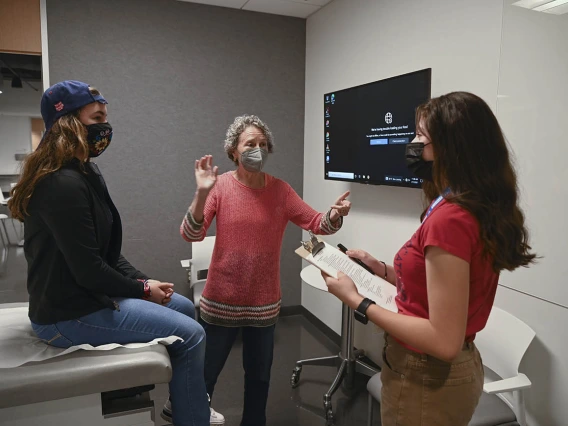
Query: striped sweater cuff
x,y
194,224
327,226
191,229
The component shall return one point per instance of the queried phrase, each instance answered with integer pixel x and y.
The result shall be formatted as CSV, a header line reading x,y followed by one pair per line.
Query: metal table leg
x,y
348,360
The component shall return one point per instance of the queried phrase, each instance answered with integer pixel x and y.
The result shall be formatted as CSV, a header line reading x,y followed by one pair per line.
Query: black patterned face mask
x,y
415,163
99,136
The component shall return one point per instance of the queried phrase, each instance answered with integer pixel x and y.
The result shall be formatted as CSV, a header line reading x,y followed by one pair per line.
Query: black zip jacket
x,y
72,242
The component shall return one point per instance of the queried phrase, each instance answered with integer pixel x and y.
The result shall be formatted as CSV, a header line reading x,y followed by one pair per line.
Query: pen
x,y
358,261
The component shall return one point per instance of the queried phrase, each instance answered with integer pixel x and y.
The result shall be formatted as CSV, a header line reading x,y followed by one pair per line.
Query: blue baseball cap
x,y
63,98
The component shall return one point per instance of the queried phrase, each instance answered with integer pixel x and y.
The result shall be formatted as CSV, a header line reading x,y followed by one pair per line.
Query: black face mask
x,y
99,136
415,163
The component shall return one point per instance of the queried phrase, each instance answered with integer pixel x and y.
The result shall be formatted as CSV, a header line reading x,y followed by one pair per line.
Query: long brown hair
x,y
66,139
472,158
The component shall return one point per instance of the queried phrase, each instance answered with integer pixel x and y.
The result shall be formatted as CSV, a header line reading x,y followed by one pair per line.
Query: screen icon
x,y
326,123
327,158
327,114
332,98
327,135
326,99
327,148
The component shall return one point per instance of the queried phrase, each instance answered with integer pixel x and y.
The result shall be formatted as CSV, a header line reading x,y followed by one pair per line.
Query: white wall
x,y
24,101
17,106
532,109
351,42
15,138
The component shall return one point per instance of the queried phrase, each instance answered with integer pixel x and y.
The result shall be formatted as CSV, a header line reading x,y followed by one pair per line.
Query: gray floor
x,y
296,338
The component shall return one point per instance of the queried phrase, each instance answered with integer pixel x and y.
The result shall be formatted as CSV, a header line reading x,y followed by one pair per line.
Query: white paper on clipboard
x,y
331,260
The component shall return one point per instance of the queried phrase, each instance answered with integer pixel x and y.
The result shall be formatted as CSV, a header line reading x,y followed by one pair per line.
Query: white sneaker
x,y
215,418
166,413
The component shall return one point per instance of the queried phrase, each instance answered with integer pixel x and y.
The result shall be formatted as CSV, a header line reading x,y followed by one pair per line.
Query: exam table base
x,y
86,410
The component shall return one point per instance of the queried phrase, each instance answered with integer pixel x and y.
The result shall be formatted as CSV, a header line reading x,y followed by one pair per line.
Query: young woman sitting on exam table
x,y
82,289
252,209
447,273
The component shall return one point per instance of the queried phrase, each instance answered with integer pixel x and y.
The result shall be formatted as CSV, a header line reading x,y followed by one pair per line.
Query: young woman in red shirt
x,y
447,273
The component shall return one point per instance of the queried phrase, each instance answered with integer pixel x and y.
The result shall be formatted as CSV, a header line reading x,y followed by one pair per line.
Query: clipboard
x,y
331,260
312,246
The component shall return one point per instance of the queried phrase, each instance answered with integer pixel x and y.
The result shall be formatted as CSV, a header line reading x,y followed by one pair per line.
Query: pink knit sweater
x,y
243,282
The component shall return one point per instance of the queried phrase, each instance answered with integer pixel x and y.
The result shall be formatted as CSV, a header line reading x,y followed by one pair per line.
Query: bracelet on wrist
x,y
386,270
147,290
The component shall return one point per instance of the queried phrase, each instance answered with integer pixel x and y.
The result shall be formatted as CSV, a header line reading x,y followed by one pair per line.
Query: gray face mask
x,y
253,159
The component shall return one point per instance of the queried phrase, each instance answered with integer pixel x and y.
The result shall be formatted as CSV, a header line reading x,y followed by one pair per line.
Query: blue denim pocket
x,y
51,335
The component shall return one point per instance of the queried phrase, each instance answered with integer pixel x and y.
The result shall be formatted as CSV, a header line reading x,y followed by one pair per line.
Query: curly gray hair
x,y
238,127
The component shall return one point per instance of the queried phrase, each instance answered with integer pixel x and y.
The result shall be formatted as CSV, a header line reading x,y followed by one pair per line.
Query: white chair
x,y
3,219
198,265
4,253
502,344
4,201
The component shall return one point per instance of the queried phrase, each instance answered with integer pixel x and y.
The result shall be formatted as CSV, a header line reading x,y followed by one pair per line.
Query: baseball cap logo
x,y
59,106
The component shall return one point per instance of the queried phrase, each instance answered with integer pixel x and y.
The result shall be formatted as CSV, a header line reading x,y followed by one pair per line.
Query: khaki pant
x,y
420,390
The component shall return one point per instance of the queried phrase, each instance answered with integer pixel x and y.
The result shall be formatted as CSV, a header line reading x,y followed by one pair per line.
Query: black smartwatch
x,y
361,312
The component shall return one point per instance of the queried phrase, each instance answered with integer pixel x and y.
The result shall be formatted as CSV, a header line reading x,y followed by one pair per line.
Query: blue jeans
x,y
258,350
140,321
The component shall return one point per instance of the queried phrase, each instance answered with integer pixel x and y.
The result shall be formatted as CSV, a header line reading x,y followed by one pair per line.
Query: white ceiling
x,y
556,7
296,8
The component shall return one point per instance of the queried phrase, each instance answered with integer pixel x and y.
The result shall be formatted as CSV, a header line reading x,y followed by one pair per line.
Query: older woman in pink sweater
x,y
252,209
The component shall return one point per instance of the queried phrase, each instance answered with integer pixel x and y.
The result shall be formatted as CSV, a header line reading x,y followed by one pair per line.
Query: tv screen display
x,y
366,129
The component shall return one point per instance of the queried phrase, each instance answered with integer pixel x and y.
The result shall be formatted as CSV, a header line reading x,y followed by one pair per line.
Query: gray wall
x,y
175,75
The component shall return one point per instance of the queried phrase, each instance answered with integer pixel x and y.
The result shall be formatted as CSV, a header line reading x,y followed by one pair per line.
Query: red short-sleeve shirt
x,y
455,230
